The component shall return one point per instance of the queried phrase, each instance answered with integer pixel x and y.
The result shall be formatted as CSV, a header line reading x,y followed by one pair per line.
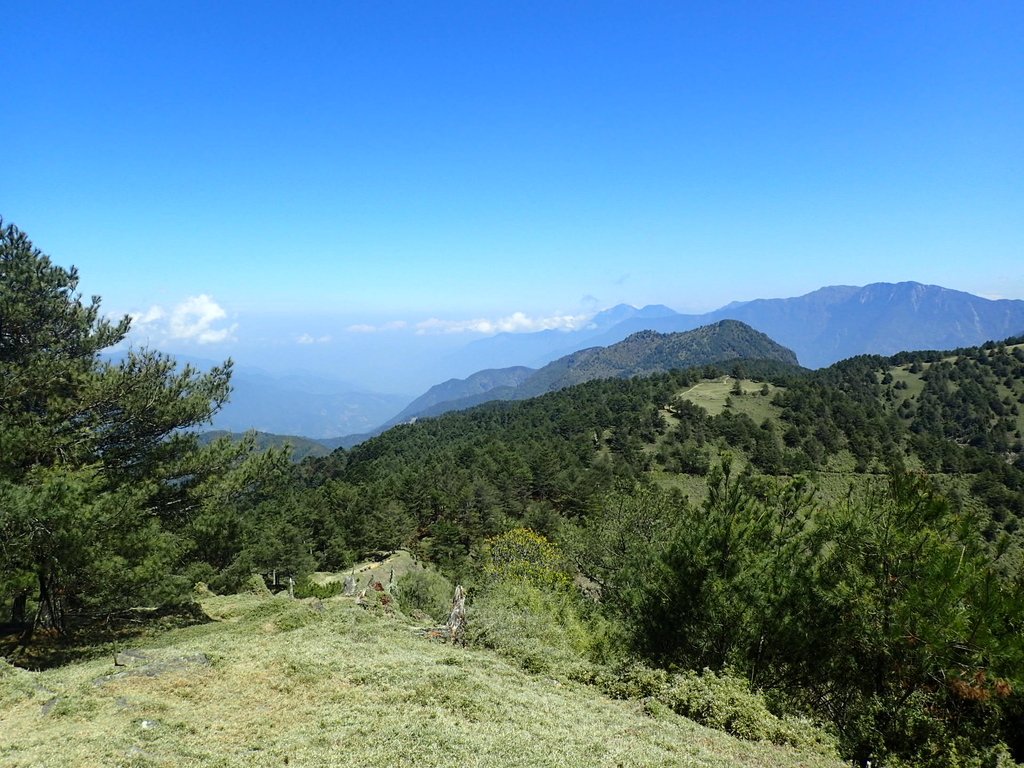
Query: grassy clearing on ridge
x,y
304,683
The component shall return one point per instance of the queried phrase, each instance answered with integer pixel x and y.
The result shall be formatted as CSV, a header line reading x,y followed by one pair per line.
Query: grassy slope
x,y
290,686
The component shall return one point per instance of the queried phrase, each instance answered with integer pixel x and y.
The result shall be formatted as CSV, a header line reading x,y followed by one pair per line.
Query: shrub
x,y
721,701
256,585
310,588
541,629
523,555
633,681
15,683
725,702
426,591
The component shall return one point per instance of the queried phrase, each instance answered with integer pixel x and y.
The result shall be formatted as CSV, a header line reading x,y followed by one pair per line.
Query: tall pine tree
x,y
96,470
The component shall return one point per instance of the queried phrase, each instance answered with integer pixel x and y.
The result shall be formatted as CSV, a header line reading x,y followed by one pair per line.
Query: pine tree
x,y
95,470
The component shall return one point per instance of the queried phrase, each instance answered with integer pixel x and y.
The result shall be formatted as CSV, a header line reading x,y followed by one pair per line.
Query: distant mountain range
x,y
822,327
640,354
479,383
294,404
302,405
301,447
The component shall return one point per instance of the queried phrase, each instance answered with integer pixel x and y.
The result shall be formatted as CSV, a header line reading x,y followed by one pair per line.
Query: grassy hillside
x,y
278,682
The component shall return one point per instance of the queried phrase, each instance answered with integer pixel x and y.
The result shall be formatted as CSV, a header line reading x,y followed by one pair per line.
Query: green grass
x,y
400,561
713,394
304,683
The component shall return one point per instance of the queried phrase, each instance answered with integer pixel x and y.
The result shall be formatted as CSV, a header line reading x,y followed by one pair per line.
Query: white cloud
x,y
151,315
197,318
194,318
309,339
392,325
517,322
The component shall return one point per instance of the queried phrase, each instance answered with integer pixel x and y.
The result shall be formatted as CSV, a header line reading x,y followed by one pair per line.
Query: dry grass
x,y
295,683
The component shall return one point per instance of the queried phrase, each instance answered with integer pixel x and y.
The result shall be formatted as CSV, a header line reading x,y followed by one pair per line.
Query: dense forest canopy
x,y
847,541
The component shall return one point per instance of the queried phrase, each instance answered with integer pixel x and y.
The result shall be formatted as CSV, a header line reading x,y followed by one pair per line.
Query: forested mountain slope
x,y
299,447
641,354
842,536
479,383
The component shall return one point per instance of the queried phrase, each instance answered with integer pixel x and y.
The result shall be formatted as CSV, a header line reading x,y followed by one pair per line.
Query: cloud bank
x,y
517,322
197,318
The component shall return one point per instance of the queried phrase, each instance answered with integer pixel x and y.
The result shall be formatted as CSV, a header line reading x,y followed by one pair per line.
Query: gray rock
x,y
138,664
130,658
49,705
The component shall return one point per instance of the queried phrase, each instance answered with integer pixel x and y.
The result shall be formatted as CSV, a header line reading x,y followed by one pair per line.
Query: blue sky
x,y
299,173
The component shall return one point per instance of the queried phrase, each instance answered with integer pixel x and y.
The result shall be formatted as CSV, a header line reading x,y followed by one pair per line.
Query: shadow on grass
x,y
90,637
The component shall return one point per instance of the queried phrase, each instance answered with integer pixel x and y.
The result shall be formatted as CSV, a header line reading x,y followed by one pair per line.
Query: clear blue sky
x,y
337,165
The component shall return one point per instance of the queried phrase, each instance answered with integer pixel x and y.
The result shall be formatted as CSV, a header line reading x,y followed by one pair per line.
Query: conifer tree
x,y
95,468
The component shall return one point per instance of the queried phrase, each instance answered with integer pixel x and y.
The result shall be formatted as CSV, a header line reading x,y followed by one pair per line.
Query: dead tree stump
x,y
456,626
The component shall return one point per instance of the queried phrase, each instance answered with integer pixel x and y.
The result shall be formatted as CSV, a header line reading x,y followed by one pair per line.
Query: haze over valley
x,y
822,327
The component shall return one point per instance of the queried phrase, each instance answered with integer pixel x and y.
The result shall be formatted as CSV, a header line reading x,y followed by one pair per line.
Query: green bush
x,y
426,591
725,702
721,701
256,585
541,629
15,683
323,591
633,681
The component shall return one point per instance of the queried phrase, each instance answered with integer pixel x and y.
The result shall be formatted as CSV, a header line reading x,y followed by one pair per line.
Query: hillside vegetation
x,y
299,447
749,544
276,682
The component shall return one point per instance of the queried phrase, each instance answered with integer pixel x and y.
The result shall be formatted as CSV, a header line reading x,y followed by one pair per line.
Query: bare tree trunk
x,y
18,607
50,614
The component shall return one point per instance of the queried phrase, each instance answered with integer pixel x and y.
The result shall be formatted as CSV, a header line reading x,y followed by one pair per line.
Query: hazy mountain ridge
x,y
641,354
537,349
281,409
821,327
456,389
301,447
841,321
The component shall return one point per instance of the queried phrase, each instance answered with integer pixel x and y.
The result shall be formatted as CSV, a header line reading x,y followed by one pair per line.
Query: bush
x,y
523,555
256,585
426,591
633,681
721,701
15,684
725,702
308,588
541,629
